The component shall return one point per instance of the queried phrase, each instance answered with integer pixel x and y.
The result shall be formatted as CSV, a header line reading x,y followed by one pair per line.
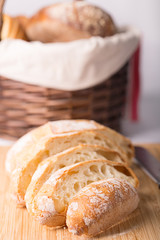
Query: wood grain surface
x,y
143,224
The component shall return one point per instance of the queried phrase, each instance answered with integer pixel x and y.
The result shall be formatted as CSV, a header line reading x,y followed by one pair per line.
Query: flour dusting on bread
x,y
45,204
73,207
101,205
64,126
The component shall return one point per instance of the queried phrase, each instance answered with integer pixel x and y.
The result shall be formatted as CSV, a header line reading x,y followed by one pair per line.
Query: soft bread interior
x,y
119,139
85,137
55,145
78,176
80,153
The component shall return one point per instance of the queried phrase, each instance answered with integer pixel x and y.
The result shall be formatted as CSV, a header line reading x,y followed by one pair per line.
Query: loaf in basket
x,y
80,81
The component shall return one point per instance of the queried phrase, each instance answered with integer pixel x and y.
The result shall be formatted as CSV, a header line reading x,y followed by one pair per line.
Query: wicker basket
x,y
24,106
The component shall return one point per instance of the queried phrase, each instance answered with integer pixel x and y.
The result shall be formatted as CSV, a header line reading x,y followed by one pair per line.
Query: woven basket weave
x,y
24,106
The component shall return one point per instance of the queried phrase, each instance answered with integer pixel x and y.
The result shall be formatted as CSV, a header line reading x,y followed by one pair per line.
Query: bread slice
x,y
49,146
120,140
51,202
27,143
101,205
80,153
63,126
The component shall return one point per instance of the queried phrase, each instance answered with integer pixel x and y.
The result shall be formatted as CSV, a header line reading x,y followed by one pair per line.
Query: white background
x,y
145,14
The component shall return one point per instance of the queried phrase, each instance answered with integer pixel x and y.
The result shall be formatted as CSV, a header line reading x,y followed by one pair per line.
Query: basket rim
x,y
103,82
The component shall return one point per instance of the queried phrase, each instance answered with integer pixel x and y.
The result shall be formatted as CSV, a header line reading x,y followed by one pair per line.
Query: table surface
x,y
143,224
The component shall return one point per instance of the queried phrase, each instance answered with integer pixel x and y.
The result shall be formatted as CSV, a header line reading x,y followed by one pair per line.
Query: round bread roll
x,y
63,22
100,205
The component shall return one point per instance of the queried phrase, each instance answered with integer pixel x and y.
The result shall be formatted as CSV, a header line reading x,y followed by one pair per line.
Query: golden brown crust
x,y
69,21
101,205
25,147
12,28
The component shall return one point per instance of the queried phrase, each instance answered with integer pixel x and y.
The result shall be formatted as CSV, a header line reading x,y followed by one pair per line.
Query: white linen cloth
x,y
67,66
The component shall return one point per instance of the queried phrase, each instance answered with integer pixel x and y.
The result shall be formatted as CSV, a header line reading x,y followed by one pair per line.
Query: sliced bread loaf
x,y
26,145
80,153
50,146
51,202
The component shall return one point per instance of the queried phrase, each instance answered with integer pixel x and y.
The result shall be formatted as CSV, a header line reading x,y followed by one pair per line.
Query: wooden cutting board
x,y
143,224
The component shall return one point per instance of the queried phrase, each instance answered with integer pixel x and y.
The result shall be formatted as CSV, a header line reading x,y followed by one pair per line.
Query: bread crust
x,y
26,144
46,203
69,21
12,28
100,206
